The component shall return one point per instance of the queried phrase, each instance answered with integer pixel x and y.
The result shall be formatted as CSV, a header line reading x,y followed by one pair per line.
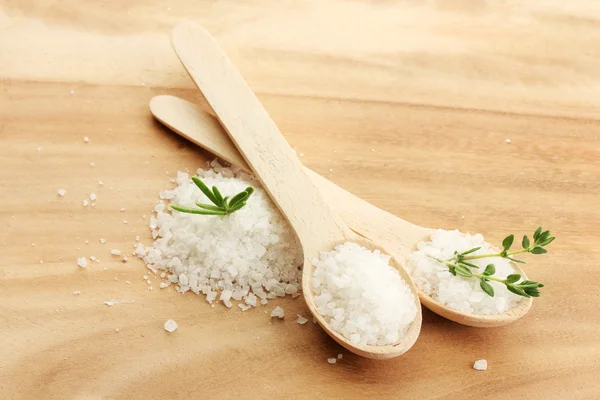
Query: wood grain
x,y
434,88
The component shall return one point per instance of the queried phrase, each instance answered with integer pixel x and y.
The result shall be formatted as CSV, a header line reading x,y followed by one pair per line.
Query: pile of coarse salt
x,y
457,292
361,296
251,255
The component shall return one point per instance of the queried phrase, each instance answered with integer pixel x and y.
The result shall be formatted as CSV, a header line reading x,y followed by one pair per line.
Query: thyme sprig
x,y
459,264
222,205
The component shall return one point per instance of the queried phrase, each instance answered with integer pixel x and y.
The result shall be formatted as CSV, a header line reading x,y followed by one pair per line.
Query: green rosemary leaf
x,y
463,271
516,290
525,242
468,264
486,287
241,196
508,241
205,189
196,211
489,270
218,196
210,207
470,251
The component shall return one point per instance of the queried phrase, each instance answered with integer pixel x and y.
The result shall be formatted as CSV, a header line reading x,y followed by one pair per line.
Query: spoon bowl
x,y
275,164
397,236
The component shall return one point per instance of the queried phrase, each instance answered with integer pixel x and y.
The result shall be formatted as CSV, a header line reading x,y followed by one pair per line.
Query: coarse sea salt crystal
x,y
76,293
62,192
278,312
82,262
480,365
361,296
102,240
92,196
85,203
170,326
115,252
301,320
85,138
457,292
340,356
332,360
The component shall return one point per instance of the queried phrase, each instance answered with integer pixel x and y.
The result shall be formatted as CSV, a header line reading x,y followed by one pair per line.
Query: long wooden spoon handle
x,y
253,131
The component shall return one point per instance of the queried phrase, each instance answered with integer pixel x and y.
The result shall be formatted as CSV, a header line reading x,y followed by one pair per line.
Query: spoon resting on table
x,y
275,164
396,235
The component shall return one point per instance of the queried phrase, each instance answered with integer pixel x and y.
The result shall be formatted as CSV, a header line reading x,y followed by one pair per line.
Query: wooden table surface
x,y
408,102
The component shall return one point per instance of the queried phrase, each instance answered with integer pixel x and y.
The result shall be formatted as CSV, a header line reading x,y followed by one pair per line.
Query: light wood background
x,y
408,102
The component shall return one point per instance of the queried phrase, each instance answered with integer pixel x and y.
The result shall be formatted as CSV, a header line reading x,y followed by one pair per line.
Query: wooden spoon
x,y
274,162
397,236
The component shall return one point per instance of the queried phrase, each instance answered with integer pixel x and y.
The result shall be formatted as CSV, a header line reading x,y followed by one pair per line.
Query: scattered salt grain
x,y
457,292
76,293
71,92
82,262
277,313
507,140
340,356
85,138
163,285
125,259
122,209
115,252
332,360
62,192
145,277
85,203
41,261
92,258
102,240
111,303
93,196
100,183
480,365
117,330
170,326
301,320
137,238
39,149
361,296
128,282
92,164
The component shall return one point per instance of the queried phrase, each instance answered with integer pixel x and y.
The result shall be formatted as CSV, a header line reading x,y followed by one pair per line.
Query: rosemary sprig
x,y
459,264
222,205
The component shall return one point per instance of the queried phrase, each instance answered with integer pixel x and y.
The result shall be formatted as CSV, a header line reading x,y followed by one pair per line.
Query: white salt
x,y
480,365
332,360
170,326
62,192
100,183
92,164
301,320
340,356
93,196
102,240
117,330
82,262
361,296
507,140
252,252
76,293
278,312
123,209
457,292
115,252
85,203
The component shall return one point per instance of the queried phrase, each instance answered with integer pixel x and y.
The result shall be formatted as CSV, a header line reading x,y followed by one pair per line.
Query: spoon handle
x,y
255,135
